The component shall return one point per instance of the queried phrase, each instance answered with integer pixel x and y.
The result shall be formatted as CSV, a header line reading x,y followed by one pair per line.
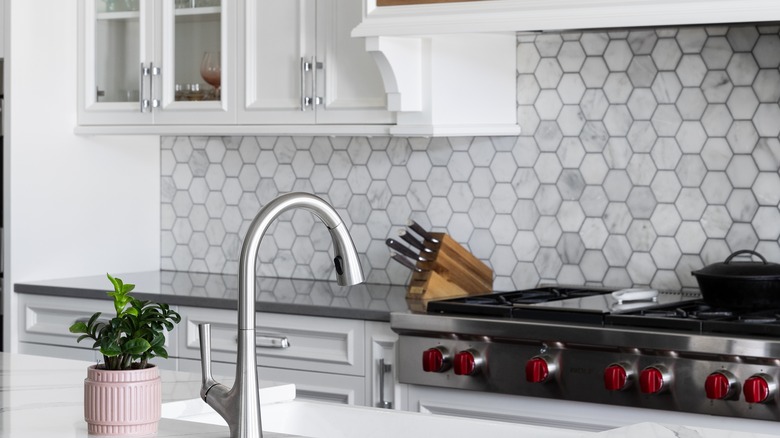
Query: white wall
x,y
74,205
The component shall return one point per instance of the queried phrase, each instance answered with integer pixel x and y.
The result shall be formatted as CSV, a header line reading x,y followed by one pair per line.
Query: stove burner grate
x,y
700,317
501,304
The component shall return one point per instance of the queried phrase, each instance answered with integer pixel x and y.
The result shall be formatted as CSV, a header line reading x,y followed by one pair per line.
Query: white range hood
x,y
450,68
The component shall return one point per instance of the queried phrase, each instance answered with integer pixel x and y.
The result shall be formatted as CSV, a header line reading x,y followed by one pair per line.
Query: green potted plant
x,y
122,396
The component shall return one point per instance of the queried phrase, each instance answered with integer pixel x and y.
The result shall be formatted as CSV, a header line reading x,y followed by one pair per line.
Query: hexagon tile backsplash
x,y
645,154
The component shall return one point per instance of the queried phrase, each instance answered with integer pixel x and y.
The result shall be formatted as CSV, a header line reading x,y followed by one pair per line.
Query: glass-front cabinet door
x,y
114,39
197,84
155,62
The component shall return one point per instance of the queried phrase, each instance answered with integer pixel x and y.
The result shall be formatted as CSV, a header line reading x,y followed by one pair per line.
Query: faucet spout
x,y
240,405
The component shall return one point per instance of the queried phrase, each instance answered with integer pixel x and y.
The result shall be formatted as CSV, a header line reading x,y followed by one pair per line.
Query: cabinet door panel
x,y
279,36
45,321
349,83
309,385
382,387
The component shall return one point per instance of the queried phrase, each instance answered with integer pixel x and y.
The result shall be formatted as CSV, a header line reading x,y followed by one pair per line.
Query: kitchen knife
x,y
404,250
408,238
422,232
404,261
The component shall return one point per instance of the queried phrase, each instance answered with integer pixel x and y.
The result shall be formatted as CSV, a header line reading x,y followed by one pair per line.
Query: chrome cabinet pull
x,y
305,68
155,71
270,340
144,102
310,67
384,368
317,66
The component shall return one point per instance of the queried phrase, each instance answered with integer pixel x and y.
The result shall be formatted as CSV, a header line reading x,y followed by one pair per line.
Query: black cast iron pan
x,y
740,285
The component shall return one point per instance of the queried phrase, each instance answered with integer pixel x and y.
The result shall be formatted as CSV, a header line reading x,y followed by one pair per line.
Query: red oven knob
x,y
653,379
720,385
435,360
467,363
539,369
616,377
758,388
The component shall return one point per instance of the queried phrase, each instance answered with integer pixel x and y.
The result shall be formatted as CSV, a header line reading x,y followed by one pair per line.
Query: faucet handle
x,y
204,331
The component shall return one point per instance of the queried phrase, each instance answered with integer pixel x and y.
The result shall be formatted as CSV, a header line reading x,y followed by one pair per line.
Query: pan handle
x,y
745,251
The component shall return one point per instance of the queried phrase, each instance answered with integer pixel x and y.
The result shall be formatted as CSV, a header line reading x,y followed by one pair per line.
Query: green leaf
x,y
78,327
136,346
161,352
82,337
157,340
93,319
116,282
111,350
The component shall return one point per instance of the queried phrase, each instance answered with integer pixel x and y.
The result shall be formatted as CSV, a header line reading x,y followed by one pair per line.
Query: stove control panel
x,y
721,385
654,379
759,388
617,377
711,385
540,369
436,360
467,362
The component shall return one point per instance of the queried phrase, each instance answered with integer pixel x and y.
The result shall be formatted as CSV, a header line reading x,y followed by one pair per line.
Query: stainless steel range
x,y
665,351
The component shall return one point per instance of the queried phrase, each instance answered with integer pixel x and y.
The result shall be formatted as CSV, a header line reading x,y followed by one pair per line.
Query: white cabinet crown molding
x,y
542,15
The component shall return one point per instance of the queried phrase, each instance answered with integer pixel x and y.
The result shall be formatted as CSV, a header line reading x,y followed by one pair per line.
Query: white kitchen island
x,y
43,397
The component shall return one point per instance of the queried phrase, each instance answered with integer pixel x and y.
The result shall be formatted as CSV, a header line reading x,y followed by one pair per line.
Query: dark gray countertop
x,y
371,302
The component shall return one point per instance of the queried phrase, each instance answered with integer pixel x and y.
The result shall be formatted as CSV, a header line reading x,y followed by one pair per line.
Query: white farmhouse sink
x,y
327,420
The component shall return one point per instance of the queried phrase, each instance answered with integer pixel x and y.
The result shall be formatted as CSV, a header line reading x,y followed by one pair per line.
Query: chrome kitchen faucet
x,y
240,405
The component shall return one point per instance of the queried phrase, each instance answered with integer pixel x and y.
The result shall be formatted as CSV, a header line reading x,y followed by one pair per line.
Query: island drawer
x,y
45,321
329,345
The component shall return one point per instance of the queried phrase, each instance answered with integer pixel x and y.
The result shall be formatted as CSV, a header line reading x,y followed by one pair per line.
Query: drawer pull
x,y
270,340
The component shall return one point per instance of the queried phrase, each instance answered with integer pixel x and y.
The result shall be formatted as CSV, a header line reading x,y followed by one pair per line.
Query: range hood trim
x,y
425,72
449,85
547,15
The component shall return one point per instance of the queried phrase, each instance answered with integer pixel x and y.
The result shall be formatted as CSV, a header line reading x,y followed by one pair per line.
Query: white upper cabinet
x,y
146,62
303,67
226,67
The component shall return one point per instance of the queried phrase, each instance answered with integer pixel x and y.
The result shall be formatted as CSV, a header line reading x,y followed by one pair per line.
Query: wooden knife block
x,y
452,272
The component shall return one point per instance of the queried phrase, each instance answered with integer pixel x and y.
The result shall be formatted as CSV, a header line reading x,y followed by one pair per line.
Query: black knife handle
x,y
422,232
401,249
408,238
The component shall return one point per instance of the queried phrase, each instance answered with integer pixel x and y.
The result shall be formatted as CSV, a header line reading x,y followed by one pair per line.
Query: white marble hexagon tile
x,y
645,154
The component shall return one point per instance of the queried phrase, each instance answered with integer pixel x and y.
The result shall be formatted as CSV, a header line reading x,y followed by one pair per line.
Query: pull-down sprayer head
x,y
348,269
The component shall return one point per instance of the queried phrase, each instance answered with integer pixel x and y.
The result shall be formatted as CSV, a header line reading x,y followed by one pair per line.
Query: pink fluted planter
x,y
122,402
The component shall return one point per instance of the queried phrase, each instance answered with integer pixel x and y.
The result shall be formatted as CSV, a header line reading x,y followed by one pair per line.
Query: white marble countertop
x,y
43,397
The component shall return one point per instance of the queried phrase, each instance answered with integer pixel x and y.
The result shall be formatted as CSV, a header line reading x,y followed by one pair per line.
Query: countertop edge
x,y
290,308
